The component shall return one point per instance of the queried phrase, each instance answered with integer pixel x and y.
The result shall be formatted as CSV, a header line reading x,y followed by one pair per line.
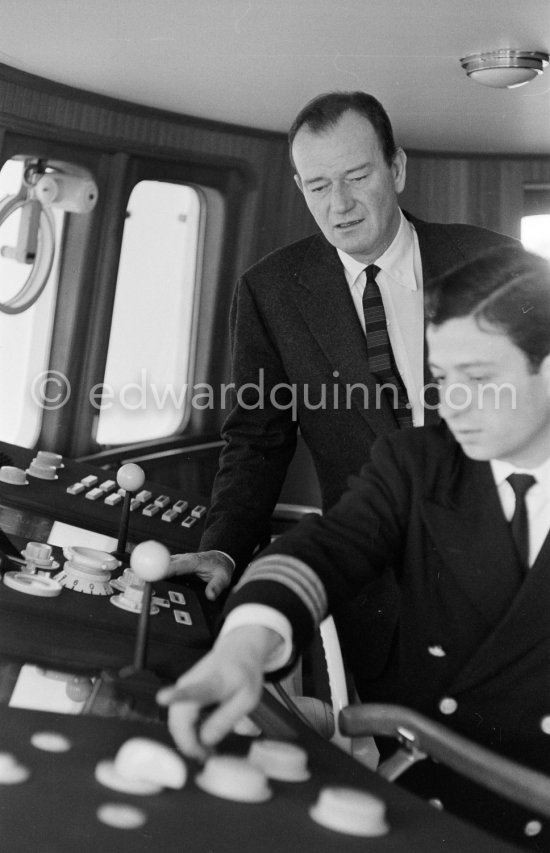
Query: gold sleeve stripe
x,y
296,576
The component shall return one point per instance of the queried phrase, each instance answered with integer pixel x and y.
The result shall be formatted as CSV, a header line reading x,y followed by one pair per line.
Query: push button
x,y
448,705
89,481
532,828
151,510
170,515
437,651
162,501
94,494
76,488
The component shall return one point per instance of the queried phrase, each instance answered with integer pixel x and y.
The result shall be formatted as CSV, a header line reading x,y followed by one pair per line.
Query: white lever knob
x,y
150,561
130,477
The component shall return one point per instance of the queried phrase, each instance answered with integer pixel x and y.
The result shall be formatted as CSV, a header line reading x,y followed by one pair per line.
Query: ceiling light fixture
x,y
506,68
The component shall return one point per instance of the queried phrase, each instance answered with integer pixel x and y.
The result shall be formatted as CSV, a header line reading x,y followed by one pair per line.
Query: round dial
x,y
87,570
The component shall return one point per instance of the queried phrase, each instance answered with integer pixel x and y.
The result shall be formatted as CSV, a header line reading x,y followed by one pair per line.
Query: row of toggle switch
x,y
107,491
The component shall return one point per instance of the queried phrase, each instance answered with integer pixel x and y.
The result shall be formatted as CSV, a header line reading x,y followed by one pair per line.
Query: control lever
x,y
130,477
135,683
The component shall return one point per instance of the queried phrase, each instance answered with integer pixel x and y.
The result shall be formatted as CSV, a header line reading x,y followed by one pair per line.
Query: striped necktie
x,y
519,525
380,355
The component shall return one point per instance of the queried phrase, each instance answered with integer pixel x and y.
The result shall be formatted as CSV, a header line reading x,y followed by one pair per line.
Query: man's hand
x,y
227,683
213,567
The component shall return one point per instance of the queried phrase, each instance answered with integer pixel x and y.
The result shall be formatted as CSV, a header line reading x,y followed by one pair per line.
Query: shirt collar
x,y
397,261
501,470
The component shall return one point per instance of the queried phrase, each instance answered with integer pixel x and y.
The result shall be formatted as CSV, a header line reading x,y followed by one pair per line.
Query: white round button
x,y
151,761
533,827
39,585
37,551
350,811
448,705
121,815
437,651
42,471
107,774
545,724
48,458
15,476
233,778
280,760
11,772
50,741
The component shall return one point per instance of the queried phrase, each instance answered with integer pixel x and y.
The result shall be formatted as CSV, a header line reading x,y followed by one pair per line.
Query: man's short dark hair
x,y
507,289
324,112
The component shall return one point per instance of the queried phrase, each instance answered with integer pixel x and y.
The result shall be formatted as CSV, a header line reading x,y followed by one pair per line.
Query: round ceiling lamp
x,y
506,68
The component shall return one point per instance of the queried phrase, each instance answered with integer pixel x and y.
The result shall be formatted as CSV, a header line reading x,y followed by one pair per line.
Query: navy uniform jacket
x,y
293,322
465,638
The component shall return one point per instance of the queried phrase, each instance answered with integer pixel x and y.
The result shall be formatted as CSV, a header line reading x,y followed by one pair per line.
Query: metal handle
x,y
508,778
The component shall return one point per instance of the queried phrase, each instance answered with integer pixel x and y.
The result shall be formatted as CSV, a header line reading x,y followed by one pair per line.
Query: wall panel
x,y
486,191
273,212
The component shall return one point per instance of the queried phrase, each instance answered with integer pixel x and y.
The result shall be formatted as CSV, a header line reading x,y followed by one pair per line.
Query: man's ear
x,y
298,183
399,169
545,372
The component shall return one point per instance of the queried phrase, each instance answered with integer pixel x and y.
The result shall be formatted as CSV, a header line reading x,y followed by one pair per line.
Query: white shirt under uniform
x,y
537,500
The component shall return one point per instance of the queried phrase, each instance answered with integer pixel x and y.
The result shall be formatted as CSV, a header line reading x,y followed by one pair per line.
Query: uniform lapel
x,y
523,626
471,534
322,296
473,538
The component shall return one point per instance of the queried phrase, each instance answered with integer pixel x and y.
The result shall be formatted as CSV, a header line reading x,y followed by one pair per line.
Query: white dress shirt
x,y
400,283
537,500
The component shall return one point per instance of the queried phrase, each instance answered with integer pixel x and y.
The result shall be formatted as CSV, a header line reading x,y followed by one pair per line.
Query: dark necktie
x,y
381,360
519,525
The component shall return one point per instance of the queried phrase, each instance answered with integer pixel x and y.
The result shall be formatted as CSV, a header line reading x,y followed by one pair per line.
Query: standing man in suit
x,y
300,340
460,513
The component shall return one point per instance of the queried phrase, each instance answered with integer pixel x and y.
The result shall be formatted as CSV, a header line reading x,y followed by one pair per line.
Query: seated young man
x,y
470,641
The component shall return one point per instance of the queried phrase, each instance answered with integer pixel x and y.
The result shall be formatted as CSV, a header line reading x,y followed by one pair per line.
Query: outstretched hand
x,y
213,567
226,684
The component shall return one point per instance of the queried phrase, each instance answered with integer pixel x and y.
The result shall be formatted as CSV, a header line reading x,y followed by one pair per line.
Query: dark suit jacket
x,y
294,324
424,512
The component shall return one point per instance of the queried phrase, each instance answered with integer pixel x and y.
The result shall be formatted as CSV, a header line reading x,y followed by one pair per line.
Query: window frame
x,y
84,364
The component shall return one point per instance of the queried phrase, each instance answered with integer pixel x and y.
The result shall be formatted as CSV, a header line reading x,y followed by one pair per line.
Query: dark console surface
x,y
93,513
61,807
57,810
82,632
